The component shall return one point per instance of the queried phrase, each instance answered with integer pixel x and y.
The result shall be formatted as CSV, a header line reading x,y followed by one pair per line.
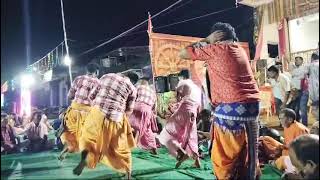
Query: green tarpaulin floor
x,y
145,166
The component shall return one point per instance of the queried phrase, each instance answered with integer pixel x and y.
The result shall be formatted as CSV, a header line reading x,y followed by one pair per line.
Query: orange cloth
x,y
107,141
295,130
292,132
230,70
74,120
270,146
231,157
280,164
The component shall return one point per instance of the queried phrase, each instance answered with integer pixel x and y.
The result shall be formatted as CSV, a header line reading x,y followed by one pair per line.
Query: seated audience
x,y
37,133
44,119
278,151
304,155
8,139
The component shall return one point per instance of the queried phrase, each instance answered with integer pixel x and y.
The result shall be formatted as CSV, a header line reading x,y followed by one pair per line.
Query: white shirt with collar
x,y
297,74
280,86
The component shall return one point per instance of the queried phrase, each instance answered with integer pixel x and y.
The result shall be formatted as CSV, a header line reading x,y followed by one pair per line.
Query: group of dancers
x,y
110,116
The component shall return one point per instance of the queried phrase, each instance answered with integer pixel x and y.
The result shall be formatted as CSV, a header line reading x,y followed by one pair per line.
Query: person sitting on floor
x,y
304,155
279,151
8,139
44,119
37,133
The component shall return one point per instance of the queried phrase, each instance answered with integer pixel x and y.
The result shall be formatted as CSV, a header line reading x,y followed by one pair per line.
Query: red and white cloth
x,y
114,95
181,129
81,88
143,121
146,95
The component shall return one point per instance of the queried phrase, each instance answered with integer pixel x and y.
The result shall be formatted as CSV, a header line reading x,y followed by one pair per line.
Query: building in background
x,y
289,28
123,59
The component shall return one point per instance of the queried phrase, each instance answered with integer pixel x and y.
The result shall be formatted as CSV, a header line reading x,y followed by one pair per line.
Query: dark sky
x,y
89,22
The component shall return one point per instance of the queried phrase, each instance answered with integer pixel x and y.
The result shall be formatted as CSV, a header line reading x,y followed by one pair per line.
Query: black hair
x,y
314,56
229,31
289,113
205,112
274,68
133,77
306,147
185,73
92,68
144,78
36,113
278,64
4,115
299,57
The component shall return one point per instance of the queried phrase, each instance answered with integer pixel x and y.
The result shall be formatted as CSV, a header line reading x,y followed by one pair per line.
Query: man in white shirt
x,y
298,73
280,87
313,74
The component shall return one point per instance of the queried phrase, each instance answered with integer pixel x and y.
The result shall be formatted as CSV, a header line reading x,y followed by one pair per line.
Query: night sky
x,y
91,22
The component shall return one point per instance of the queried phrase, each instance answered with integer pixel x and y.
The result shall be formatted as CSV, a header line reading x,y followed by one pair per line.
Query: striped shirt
x,y
146,94
81,88
114,95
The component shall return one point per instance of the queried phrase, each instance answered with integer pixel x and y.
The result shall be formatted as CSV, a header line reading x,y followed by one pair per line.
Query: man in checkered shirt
x,y
143,120
79,109
106,135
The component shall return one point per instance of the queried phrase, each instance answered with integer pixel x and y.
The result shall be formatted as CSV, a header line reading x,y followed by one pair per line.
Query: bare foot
x,y
184,157
63,153
180,154
61,157
129,176
197,163
154,151
78,170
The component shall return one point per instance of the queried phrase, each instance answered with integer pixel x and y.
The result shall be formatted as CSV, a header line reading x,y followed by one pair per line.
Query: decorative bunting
x,y
48,62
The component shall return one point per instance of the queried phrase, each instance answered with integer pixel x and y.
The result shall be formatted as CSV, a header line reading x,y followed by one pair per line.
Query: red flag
x,y
282,38
149,23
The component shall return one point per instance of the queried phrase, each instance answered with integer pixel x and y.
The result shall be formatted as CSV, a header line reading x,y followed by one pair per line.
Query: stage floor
x,y
45,165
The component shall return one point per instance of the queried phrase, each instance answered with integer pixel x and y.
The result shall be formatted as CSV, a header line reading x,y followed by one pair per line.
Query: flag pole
x,y
66,41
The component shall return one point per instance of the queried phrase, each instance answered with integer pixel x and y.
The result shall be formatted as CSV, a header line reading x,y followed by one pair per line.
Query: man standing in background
x,y
281,88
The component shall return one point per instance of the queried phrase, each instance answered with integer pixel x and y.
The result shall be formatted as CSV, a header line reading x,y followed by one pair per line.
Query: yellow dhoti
x,y
74,120
107,141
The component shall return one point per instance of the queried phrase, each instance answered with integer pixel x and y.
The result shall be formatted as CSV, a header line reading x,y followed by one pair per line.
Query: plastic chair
x,y
265,103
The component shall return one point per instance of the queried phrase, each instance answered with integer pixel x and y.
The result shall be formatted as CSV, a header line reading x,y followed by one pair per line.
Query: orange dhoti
x,y
234,148
107,141
74,120
229,153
